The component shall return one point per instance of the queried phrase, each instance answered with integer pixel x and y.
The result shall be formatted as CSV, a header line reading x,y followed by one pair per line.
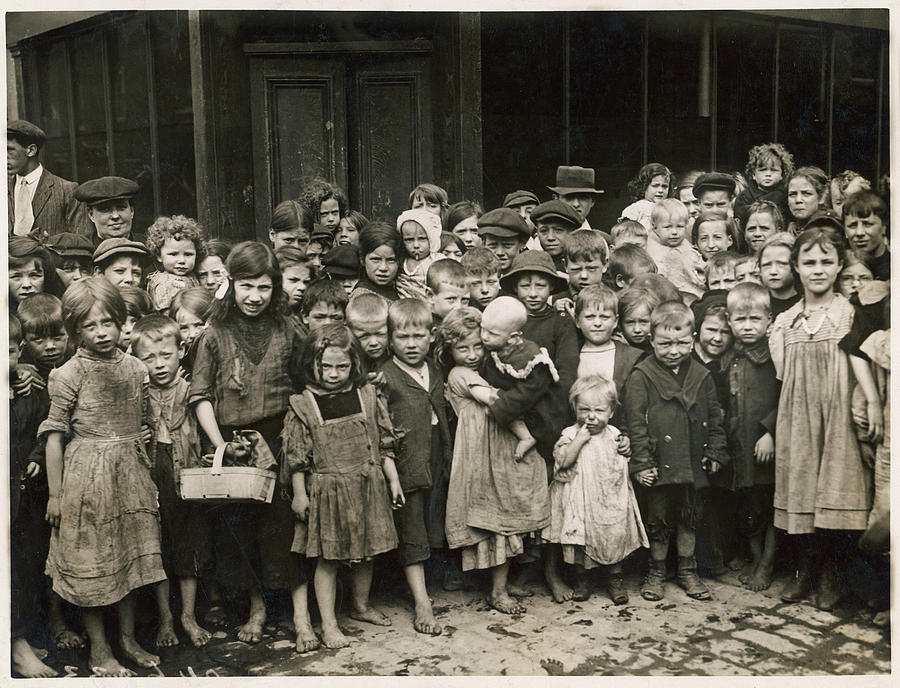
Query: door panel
x,y
299,125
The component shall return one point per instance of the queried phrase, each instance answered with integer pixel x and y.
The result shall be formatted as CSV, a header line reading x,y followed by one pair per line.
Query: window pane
x,y
54,109
745,64
800,127
678,135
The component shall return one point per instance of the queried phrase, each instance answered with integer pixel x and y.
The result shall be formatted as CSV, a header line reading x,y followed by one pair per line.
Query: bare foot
x,y
109,666
424,621
136,653
332,637
199,636
39,652
307,640
561,592
166,636
518,591
761,578
66,639
26,662
506,604
553,667
746,576
370,615
523,447
736,564
251,632
215,614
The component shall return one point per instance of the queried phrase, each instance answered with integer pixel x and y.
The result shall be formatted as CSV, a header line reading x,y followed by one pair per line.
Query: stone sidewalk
x,y
739,632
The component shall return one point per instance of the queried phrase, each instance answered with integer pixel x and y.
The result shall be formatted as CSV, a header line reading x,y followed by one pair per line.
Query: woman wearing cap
x,y
110,208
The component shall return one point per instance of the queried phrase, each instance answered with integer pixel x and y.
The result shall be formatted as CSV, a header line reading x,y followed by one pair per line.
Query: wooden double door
x,y
356,115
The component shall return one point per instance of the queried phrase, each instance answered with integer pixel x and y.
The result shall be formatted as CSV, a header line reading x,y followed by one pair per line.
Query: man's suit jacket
x,y
54,206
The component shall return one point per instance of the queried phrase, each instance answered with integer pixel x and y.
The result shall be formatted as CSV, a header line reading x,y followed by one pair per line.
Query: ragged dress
x,y
108,540
493,500
340,441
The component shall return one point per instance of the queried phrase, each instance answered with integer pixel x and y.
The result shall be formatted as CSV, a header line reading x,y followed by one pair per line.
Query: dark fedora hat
x,y
572,179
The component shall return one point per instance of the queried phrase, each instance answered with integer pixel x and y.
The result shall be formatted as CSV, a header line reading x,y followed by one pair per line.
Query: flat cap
x,y
718,181
342,261
96,191
119,246
503,222
27,130
71,244
825,218
710,298
519,197
557,210
322,235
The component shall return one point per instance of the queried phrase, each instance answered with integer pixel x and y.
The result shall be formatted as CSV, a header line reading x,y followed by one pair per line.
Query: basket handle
x,y
217,460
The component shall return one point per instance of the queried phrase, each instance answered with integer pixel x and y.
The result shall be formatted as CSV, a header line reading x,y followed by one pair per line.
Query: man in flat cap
x,y
575,186
39,201
110,208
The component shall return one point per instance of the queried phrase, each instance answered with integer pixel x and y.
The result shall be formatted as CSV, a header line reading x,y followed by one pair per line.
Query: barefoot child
x,y
338,446
102,504
244,374
414,390
177,243
186,526
594,513
673,450
750,425
494,500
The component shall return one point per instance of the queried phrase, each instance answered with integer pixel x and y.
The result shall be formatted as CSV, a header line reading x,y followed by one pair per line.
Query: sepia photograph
x,y
445,342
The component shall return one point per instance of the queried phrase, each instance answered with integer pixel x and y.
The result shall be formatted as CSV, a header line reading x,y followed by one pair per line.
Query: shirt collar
x,y
419,374
32,177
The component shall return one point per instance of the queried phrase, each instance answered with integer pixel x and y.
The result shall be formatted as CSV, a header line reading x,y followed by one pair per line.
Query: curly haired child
x,y
327,202
178,245
769,166
651,185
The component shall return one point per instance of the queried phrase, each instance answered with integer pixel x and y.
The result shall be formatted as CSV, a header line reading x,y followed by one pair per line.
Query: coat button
x,y
667,439
704,424
21,486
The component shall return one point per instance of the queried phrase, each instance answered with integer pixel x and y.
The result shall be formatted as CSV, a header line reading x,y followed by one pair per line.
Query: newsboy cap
x,y
119,246
69,244
825,218
102,189
519,197
557,210
714,181
505,223
25,130
342,261
571,179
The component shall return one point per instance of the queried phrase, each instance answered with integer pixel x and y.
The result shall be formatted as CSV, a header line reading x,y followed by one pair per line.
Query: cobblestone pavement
x,y
738,632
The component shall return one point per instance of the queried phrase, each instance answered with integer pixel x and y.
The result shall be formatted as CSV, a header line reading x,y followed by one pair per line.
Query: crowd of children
x,y
454,390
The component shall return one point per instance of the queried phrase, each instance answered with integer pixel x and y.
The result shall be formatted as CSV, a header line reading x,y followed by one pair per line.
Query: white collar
x,y
32,177
419,374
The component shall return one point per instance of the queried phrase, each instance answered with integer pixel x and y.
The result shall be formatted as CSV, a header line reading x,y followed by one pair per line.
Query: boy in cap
x,y
120,261
575,186
320,242
341,264
110,208
523,202
75,252
715,191
504,234
554,221
37,199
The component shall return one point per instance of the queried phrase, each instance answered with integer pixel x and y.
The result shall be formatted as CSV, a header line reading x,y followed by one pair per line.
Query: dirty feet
x,y
518,591
761,578
424,621
104,664
251,632
332,637
215,614
199,636
370,615
523,447
307,640
136,653
64,638
166,636
506,604
553,667
26,662
736,564
561,592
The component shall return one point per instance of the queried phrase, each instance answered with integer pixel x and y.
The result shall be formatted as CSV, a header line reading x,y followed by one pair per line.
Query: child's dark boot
x,y
616,588
829,592
798,587
653,588
689,579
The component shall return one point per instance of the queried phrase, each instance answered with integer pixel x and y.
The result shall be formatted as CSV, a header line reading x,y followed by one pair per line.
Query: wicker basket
x,y
228,483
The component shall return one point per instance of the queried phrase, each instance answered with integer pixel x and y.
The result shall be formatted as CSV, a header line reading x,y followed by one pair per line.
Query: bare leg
x,y
307,640
26,662
500,598
362,584
166,636
561,592
765,567
325,584
251,632
130,647
199,636
755,542
102,661
215,614
424,621
64,637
